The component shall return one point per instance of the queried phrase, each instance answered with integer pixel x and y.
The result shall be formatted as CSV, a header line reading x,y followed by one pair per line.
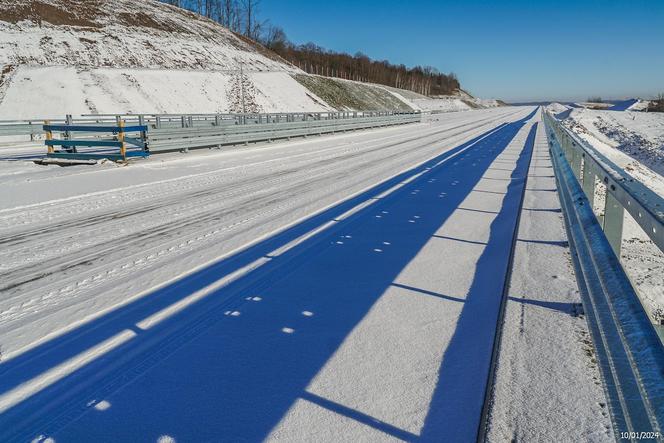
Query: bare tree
x,y
252,26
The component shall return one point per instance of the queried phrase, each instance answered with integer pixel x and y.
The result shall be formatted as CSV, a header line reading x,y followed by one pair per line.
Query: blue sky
x,y
515,50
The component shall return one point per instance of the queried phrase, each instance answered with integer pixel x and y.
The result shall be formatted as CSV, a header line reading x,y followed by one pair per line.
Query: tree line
x,y
242,17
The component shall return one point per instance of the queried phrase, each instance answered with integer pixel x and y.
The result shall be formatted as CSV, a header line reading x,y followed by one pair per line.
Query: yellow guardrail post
x,y
49,136
121,139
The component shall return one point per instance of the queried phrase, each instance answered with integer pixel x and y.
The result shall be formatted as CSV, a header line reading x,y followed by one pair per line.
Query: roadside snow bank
x,y
636,134
556,108
634,141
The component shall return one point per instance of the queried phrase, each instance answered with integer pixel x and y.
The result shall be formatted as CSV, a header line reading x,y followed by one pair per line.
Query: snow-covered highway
x,y
343,288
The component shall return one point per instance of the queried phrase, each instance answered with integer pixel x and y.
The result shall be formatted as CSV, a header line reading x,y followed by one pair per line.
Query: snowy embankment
x,y
634,141
556,108
63,57
150,91
450,104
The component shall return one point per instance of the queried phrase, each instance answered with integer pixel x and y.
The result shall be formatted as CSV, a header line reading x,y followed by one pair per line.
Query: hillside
x,y
122,34
120,56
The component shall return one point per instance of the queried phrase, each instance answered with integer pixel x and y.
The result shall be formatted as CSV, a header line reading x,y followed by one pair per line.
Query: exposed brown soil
x,y
86,13
141,19
109,17
69,12
262,49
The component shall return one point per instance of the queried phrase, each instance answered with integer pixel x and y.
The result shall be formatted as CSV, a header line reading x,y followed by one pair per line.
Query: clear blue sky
x,y
516,50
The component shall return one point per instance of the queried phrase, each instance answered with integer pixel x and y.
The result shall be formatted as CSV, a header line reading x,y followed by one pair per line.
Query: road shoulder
x,y
547,385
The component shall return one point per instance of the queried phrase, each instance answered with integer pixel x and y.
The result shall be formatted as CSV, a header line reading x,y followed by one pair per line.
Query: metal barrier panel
x,y
623,192
629,352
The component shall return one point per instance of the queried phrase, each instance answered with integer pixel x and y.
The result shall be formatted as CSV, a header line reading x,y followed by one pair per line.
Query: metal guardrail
x,y
167,133
172,139
623,192
71,148
629,353
33,127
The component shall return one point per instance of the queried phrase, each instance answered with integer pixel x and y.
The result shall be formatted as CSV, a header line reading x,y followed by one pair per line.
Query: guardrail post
x,y
576,161
121,139
588,181
68,121
49,136
144,135
613,221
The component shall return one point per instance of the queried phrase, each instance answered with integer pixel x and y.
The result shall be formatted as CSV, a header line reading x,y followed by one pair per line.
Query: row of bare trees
x,y
313,59
242,17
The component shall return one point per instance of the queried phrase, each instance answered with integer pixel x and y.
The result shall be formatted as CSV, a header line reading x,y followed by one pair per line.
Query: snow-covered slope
x,y
556,108
122,34
640,105
448,104
637,134
53,91
453,103
633,141
79,57
62,57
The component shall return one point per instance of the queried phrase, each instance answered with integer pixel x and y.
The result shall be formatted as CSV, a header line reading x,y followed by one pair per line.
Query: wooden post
x,y
49,136
121,139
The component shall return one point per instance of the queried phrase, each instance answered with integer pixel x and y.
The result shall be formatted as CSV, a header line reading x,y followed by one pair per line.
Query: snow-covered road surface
x,y
343,288
79,241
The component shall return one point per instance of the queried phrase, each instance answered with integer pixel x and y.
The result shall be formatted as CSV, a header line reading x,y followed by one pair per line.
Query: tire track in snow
x,y
167,210
127,265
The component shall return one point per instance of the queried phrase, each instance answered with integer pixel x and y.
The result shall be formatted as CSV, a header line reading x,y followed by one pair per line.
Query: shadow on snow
x,y
239,375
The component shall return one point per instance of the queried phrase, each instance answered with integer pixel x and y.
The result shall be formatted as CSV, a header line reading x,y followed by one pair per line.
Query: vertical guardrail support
x,y
121,139
588,181
49,137
68,121
613,222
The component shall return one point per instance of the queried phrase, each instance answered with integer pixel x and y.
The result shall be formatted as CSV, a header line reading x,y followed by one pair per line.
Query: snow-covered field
x,y
342,287
633,141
